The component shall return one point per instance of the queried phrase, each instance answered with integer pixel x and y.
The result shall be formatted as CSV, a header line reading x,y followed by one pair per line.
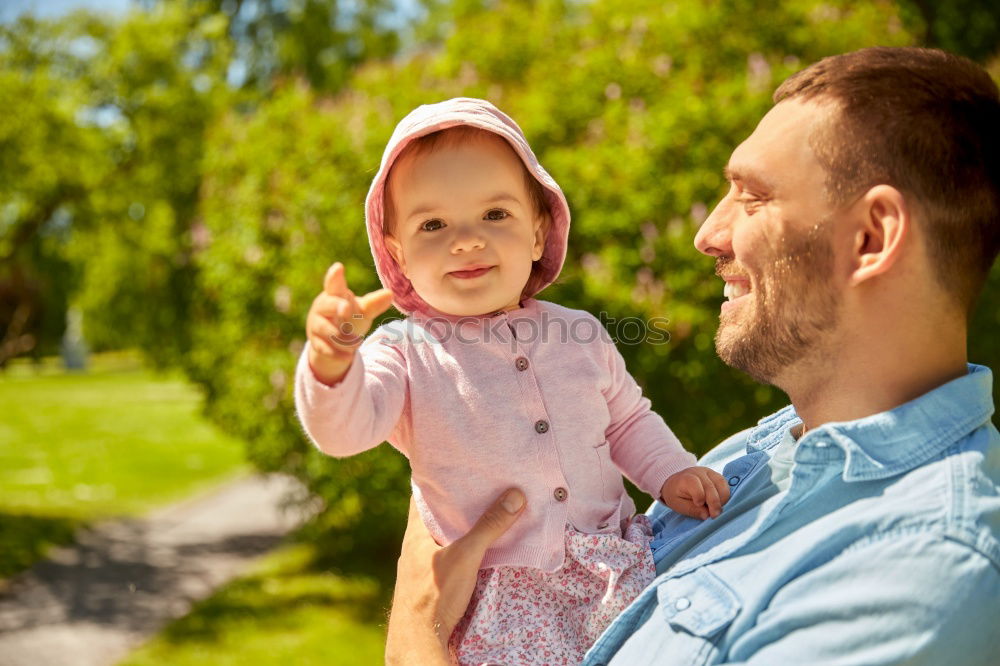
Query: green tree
x,y
159,79
634,109
196,220
104,165
968,27
49,165
321,41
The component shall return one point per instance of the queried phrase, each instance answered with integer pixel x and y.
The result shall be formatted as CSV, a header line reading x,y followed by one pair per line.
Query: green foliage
x,y
161,73
628,108
320,41
102,168
283,195
42,149
196,220
968,27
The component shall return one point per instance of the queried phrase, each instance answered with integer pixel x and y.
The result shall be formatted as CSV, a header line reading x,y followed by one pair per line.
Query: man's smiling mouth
x,y
736,290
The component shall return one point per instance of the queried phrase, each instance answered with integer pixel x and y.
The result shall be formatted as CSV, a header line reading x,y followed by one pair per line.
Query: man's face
x,y
772,239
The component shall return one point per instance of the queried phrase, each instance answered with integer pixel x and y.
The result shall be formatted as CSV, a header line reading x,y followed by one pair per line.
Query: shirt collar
x,y
771,429
891,442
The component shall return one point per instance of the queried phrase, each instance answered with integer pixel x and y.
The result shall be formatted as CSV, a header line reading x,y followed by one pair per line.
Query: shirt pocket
x,y
699,607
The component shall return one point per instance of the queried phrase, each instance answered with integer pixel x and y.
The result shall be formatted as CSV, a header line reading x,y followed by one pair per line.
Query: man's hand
x,y
696,491
337,322
434,584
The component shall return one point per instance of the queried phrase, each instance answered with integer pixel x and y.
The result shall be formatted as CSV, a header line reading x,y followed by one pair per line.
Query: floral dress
x,y
522,616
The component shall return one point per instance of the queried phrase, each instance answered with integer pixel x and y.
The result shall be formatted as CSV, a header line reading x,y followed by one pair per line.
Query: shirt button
x,y
683,604
541,427
521,363
560,494
733,480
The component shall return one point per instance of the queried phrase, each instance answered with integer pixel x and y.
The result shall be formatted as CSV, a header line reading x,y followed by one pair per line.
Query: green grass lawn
x,y
78,447
120,440
283,613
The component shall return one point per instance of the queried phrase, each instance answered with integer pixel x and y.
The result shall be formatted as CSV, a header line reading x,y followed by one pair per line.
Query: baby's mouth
x,y
471,272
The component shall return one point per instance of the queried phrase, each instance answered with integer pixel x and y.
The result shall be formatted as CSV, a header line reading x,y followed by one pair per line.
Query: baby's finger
x,y
695,489
721,485
692,487
375,303
326,305
334,282
323,346
317,332
712,498
696,510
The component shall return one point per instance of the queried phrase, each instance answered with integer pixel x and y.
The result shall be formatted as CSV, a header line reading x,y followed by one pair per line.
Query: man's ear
x,y
884,228
396,250
542,225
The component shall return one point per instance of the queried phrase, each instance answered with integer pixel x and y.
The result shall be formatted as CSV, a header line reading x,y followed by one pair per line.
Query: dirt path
x,y
90,604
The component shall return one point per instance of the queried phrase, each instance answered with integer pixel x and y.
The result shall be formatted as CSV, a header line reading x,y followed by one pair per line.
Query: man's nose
x,y
467,240
715,238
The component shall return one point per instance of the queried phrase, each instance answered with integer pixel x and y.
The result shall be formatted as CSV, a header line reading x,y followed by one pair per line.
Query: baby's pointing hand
x,y
698,492
337,322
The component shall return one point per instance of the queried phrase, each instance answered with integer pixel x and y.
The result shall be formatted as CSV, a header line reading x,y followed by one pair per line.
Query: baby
x,y
482,387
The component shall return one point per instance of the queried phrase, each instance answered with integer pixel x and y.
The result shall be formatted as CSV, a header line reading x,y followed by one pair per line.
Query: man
x,y
862,219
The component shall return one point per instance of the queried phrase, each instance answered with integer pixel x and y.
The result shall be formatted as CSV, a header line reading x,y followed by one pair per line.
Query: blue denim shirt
x,y
883,549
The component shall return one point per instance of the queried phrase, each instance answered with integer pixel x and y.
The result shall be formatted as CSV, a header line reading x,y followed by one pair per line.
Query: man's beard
x,y
794,305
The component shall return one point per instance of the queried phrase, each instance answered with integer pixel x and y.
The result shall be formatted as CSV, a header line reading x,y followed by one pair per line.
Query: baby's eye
x,y
496,214
432,225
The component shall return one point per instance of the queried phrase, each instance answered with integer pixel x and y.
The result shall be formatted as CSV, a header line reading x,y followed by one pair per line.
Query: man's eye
x,y
431,225
496,214
751,204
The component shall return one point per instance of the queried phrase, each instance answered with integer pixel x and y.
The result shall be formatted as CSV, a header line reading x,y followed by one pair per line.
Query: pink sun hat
x,y
430,118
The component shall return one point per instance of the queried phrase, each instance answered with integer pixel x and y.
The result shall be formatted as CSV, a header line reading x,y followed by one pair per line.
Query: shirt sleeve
x,y
642,446
363,409
916,600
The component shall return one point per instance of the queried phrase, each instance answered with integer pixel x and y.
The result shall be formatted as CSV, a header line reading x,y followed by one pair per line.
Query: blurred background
x,y
176,176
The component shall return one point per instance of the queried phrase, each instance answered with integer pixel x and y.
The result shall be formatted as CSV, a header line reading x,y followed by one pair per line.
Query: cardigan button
x,y
541,426
560,494
521,363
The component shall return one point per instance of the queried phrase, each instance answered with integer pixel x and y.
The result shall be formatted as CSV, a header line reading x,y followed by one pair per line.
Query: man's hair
x,y
926,122
459,134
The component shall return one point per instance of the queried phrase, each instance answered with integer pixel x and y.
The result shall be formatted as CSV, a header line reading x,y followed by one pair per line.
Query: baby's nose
x,y
466,241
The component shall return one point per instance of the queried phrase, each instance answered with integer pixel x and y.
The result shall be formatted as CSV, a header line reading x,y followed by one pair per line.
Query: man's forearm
x,y
410,641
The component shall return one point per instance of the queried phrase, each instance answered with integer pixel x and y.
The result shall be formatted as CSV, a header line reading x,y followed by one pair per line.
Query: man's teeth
x,y
734,290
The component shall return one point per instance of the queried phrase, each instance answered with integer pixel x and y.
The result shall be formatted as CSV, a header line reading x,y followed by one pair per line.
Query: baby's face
x,y
465,230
